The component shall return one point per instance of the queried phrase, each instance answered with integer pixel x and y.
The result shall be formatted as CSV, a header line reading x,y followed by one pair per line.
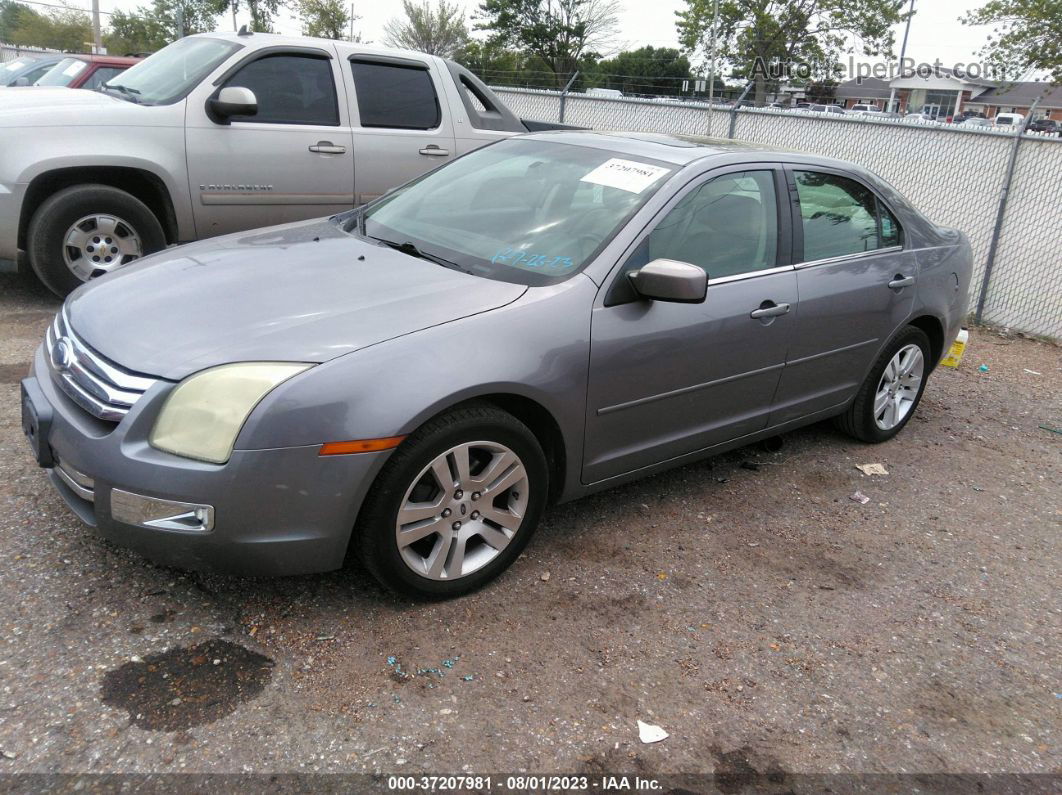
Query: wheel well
x,y
144,185
545,428
935,331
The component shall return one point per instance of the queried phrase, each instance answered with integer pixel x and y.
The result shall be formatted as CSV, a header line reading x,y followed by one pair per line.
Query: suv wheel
x,y
86,231
454,505
888,397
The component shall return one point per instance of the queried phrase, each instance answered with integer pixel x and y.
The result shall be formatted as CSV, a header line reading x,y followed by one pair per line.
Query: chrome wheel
x,y
898,388
462,510
97,244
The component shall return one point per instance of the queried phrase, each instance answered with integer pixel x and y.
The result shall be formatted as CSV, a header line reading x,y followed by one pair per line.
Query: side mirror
x,y
231,101
22,81
670,280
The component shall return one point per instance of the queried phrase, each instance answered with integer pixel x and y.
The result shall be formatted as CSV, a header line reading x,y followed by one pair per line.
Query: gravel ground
x,y
769,623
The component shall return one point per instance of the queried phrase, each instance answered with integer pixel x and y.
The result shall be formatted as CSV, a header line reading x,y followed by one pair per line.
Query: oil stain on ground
x,y
185,687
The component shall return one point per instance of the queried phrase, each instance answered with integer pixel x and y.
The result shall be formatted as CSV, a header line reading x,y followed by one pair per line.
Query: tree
x,y
559,32
327,19
11,15
151,28
1027,34
763,39
647,70
63,29
441,31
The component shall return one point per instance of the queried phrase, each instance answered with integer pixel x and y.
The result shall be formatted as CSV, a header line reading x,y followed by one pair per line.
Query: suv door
x,y
400,127
291,161
857,287
668,379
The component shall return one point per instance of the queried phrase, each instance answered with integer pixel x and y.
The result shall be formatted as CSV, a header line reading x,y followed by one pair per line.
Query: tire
x,y
860,419
408,479
53,223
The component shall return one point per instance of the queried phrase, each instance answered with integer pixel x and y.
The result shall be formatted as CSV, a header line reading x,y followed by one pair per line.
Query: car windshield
x,y
14,66
63,73
168,75
523,210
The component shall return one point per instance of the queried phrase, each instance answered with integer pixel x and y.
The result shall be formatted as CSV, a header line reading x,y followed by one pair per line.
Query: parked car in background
x,y
218,133
820,108
975,121
545,317
1044,125
606,93
864,108
85,71
27,69
1012,120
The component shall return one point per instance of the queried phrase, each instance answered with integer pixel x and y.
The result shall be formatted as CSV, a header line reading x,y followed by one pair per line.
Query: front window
x,y
63,73
168,75
11,67
527,211
290,89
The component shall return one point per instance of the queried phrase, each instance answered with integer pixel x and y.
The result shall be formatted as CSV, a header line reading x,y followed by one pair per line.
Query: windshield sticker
x,y
625,174
532,262
74,68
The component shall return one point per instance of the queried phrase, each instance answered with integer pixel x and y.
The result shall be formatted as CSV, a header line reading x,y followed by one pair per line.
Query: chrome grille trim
x,y
78,482
102,388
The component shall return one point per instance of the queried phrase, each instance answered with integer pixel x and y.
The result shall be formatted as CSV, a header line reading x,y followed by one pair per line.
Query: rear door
x,y
291,161
856,282
401,126
668,379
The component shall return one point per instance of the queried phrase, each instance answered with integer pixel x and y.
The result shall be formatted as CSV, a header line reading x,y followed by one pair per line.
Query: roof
x,y
1021,95
678,150
863,87
278,39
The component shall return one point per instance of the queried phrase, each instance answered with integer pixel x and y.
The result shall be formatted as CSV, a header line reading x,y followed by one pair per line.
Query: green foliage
x,y
64,29
560,33
439,31
647,70
326,19
151,28
1027,34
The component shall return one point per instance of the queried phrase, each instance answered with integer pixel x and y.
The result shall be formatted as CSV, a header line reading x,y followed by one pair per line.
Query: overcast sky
x,y
935,29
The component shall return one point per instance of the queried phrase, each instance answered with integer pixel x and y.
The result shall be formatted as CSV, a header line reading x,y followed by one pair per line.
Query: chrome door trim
x,y
738,277
846,257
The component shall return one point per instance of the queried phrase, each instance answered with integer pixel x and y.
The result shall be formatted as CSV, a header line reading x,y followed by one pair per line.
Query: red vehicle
x,y
85,71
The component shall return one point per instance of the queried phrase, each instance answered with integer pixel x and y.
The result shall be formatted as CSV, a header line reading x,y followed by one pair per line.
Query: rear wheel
x,y
455,505
86,231
888,397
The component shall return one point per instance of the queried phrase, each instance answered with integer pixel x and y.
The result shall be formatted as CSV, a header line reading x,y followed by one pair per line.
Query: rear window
x,y
396,96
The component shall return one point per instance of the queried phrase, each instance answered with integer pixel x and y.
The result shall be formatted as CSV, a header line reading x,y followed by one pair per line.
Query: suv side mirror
x,y
231,101
671,280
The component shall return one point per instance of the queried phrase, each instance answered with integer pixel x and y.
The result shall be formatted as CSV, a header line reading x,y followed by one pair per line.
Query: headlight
x,y
203,415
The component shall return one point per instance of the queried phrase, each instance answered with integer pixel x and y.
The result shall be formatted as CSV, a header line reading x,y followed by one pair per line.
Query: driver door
x,y
667,379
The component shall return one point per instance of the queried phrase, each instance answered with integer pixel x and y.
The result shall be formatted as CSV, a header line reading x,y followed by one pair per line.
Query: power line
x,y
60,7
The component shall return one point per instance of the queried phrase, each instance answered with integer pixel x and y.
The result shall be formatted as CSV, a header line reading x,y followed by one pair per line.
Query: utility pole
x,y
234,28
97,39
180,22
903,52
352,21
711,66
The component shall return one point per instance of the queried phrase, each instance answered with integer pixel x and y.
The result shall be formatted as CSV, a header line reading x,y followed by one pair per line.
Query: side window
x,y
101,76
839,215
389,95
890,227
291,89
727,226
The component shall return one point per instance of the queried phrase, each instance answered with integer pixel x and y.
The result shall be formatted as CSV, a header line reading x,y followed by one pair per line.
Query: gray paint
x,y
633,388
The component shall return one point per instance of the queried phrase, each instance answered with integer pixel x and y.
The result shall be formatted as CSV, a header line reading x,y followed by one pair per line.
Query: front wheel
x,y
888,397
454,505
86,231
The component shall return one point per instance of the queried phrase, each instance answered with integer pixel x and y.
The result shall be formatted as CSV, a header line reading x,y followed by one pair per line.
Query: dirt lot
x,y
772,625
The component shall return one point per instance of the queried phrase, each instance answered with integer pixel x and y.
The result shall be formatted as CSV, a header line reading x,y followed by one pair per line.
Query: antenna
x,y
243,31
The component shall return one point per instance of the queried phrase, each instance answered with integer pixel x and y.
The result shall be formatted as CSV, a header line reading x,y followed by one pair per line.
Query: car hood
x,y
305,292
53,106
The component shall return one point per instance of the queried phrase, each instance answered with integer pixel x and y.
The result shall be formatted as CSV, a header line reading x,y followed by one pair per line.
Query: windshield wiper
x,y
407,247
128,93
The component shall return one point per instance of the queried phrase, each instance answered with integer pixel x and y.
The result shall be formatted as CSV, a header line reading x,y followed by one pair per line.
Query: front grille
x,y
102,388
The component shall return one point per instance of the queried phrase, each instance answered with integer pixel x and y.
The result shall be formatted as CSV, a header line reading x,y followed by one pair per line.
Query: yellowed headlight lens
x,y
203,416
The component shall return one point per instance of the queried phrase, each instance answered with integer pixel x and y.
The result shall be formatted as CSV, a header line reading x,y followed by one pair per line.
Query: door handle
x,y
769,309
899,281
327,148
431,150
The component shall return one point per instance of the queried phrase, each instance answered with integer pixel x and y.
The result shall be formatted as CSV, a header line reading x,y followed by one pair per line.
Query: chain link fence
x,y
954,176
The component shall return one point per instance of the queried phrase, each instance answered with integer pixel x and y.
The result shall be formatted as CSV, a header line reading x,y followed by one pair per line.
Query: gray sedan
x,y
416,381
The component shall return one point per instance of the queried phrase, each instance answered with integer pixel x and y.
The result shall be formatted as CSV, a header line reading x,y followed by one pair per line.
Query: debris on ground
x,y
750,465
1049,428
872,469
1031,372
983,368
648,733
859,497
544,576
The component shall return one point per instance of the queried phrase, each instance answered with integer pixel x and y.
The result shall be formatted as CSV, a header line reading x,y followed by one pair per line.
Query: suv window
x,y
840,216
395,96
291,89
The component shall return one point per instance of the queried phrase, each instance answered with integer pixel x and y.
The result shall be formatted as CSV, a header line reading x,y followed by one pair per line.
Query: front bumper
x,y
10,207
272,512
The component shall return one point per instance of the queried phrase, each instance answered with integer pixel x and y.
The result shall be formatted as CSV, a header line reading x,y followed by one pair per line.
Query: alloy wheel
x,y
97,244
898,388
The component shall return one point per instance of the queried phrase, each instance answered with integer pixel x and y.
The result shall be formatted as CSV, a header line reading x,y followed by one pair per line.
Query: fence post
x,y
734,110
564,96
997,228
